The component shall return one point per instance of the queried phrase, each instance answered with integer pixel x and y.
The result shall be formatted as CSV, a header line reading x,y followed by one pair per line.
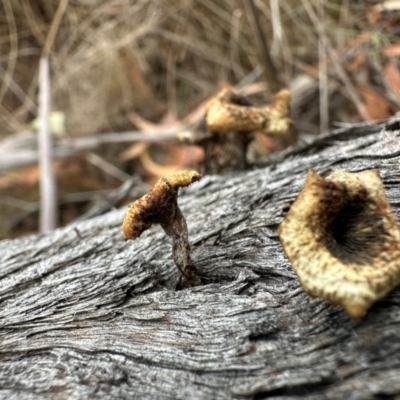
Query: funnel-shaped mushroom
x,y
233,123
226,112
343,240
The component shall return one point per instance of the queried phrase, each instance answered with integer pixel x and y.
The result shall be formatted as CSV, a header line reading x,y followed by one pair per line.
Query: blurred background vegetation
x,y
124,65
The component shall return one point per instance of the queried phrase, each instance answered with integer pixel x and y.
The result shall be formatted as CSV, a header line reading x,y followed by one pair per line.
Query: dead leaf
x,y
168,123
376,106
359,40
391,50
25,178
393,77
159,170
134,151
176,157
386,13
265,144
356,64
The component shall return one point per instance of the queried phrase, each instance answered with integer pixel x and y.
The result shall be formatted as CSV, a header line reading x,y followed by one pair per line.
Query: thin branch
x,y
116,196
353,95
48,188
18,203
323,75
270,72
29,208
48,193
107,167
54,26
276,28
250,77
19,93
12,59
13,154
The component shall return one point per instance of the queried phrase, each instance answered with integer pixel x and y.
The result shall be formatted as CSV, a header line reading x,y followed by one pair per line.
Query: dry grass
x,y
113,57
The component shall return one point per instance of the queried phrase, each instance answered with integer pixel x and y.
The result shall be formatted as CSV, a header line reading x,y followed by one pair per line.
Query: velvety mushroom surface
x,y
343,240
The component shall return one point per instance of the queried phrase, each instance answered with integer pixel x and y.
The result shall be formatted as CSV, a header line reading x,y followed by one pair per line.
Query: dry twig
x,y
270,72
48,191
339,69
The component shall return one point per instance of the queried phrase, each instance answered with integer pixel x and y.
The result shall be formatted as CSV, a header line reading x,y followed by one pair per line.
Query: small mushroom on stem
x,y
343,240
160,206
228,111
233,123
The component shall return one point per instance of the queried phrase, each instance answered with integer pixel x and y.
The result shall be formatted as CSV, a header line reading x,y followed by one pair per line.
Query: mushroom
x,y
343,240
233,122
228,111
160,206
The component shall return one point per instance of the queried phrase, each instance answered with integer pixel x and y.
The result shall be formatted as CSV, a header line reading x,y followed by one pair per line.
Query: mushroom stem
x,y
181,249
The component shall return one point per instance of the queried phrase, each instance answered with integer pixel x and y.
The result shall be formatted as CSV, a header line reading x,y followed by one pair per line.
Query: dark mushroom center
x,y
356,234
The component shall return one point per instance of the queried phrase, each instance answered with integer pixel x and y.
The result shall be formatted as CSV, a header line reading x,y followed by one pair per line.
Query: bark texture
x,y
85,314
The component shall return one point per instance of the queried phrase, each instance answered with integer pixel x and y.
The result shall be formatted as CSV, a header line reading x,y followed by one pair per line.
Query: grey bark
x,y
84,314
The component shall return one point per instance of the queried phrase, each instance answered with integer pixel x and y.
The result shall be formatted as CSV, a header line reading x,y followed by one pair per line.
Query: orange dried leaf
x,y
265,144
376,106
27,178
134,151
373,15
393,77
167,123
177,157
356,64
176,153
360,39
391,50
387,13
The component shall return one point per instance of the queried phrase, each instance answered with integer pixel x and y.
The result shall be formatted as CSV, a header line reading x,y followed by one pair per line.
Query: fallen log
x,y
85,314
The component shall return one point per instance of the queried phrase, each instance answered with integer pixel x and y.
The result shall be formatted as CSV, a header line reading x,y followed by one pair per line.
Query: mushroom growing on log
x,y
228,111
82,316
231,122
343,240
160,206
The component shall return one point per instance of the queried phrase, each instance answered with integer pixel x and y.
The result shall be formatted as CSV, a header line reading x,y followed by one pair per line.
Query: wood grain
x,y
85,314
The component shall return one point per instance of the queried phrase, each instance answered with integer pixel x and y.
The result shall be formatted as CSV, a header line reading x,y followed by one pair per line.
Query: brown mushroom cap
x,y
158,204
225,113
